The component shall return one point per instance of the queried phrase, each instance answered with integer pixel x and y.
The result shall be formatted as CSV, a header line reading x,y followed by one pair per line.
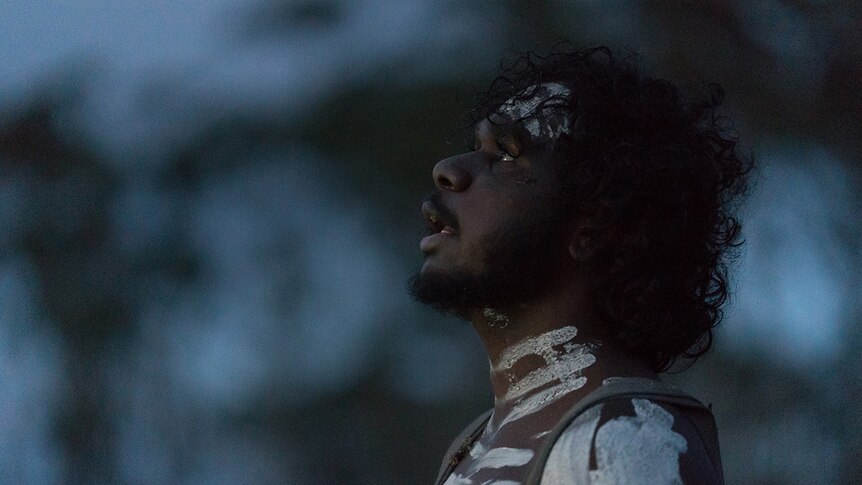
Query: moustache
x,y
445,214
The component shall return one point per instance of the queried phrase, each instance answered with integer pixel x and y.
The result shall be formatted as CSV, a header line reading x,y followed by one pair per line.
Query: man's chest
x,y
498,460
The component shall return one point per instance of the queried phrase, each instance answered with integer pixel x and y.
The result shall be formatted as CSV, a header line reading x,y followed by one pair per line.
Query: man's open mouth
x,y
437,222
436,225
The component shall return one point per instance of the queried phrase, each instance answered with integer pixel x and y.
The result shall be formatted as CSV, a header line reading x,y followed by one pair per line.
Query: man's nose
x,y
450,174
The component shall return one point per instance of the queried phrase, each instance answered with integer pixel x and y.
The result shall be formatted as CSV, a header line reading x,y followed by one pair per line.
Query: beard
x,y
518,264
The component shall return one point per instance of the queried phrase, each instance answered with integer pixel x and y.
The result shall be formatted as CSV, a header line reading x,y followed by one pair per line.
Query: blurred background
x,y
209,209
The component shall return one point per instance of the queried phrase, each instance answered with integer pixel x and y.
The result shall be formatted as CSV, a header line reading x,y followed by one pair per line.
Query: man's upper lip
x,y
436,222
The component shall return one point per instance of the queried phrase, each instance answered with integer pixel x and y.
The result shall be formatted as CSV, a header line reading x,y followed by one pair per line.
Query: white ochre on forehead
x,y
547,124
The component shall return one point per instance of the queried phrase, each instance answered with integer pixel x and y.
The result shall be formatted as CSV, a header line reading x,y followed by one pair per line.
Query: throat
x,y
535,372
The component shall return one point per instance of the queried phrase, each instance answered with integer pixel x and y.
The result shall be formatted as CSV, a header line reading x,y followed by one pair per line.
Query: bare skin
x,y
485,189
536,319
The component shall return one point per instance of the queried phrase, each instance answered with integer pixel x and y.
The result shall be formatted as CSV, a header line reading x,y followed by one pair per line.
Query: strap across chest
x,y
622,388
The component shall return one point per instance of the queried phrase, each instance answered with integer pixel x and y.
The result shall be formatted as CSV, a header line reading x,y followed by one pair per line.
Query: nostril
x,y
449,175
443,182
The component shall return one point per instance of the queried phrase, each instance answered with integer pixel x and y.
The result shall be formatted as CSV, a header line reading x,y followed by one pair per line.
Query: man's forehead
x,y
539,109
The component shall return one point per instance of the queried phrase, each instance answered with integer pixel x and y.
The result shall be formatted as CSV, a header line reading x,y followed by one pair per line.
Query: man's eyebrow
x,y
498,130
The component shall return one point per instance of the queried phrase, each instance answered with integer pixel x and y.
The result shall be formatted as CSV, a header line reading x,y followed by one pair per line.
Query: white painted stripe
x,y
542,399
639,450
503,457
569,461
563,368
538,345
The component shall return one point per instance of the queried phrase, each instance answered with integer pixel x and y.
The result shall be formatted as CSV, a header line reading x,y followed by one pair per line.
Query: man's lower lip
x,y
429,242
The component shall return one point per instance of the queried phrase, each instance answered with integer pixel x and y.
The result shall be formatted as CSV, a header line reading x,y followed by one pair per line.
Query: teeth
x,y
439,226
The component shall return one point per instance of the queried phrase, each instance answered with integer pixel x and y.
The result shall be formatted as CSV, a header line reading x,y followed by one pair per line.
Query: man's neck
x,y
545,350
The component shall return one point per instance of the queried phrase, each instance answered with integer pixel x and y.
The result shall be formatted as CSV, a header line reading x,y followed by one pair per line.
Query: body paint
x,y
455,479
494,458
641,449
541,400
540,125
565,366
539,345
569,461
477,450
502,457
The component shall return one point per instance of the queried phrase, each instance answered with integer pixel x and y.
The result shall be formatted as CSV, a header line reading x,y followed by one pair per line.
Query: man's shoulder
x,y
630,440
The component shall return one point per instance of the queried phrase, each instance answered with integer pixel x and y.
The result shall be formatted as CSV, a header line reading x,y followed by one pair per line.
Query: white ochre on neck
x,y
537,389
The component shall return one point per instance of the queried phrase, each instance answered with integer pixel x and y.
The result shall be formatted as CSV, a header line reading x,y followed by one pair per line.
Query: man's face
x,y
498,231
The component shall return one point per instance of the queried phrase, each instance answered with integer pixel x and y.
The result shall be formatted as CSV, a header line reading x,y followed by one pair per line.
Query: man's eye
x,y
504,156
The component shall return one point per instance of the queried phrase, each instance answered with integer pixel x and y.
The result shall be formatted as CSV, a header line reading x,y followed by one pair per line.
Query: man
x,y
585,236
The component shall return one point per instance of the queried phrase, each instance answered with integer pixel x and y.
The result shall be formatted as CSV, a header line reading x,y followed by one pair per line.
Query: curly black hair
x,y
655,180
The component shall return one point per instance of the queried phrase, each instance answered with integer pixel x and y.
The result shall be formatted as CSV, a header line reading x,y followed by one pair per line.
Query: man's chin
x,y
457,294
444,293
502,279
